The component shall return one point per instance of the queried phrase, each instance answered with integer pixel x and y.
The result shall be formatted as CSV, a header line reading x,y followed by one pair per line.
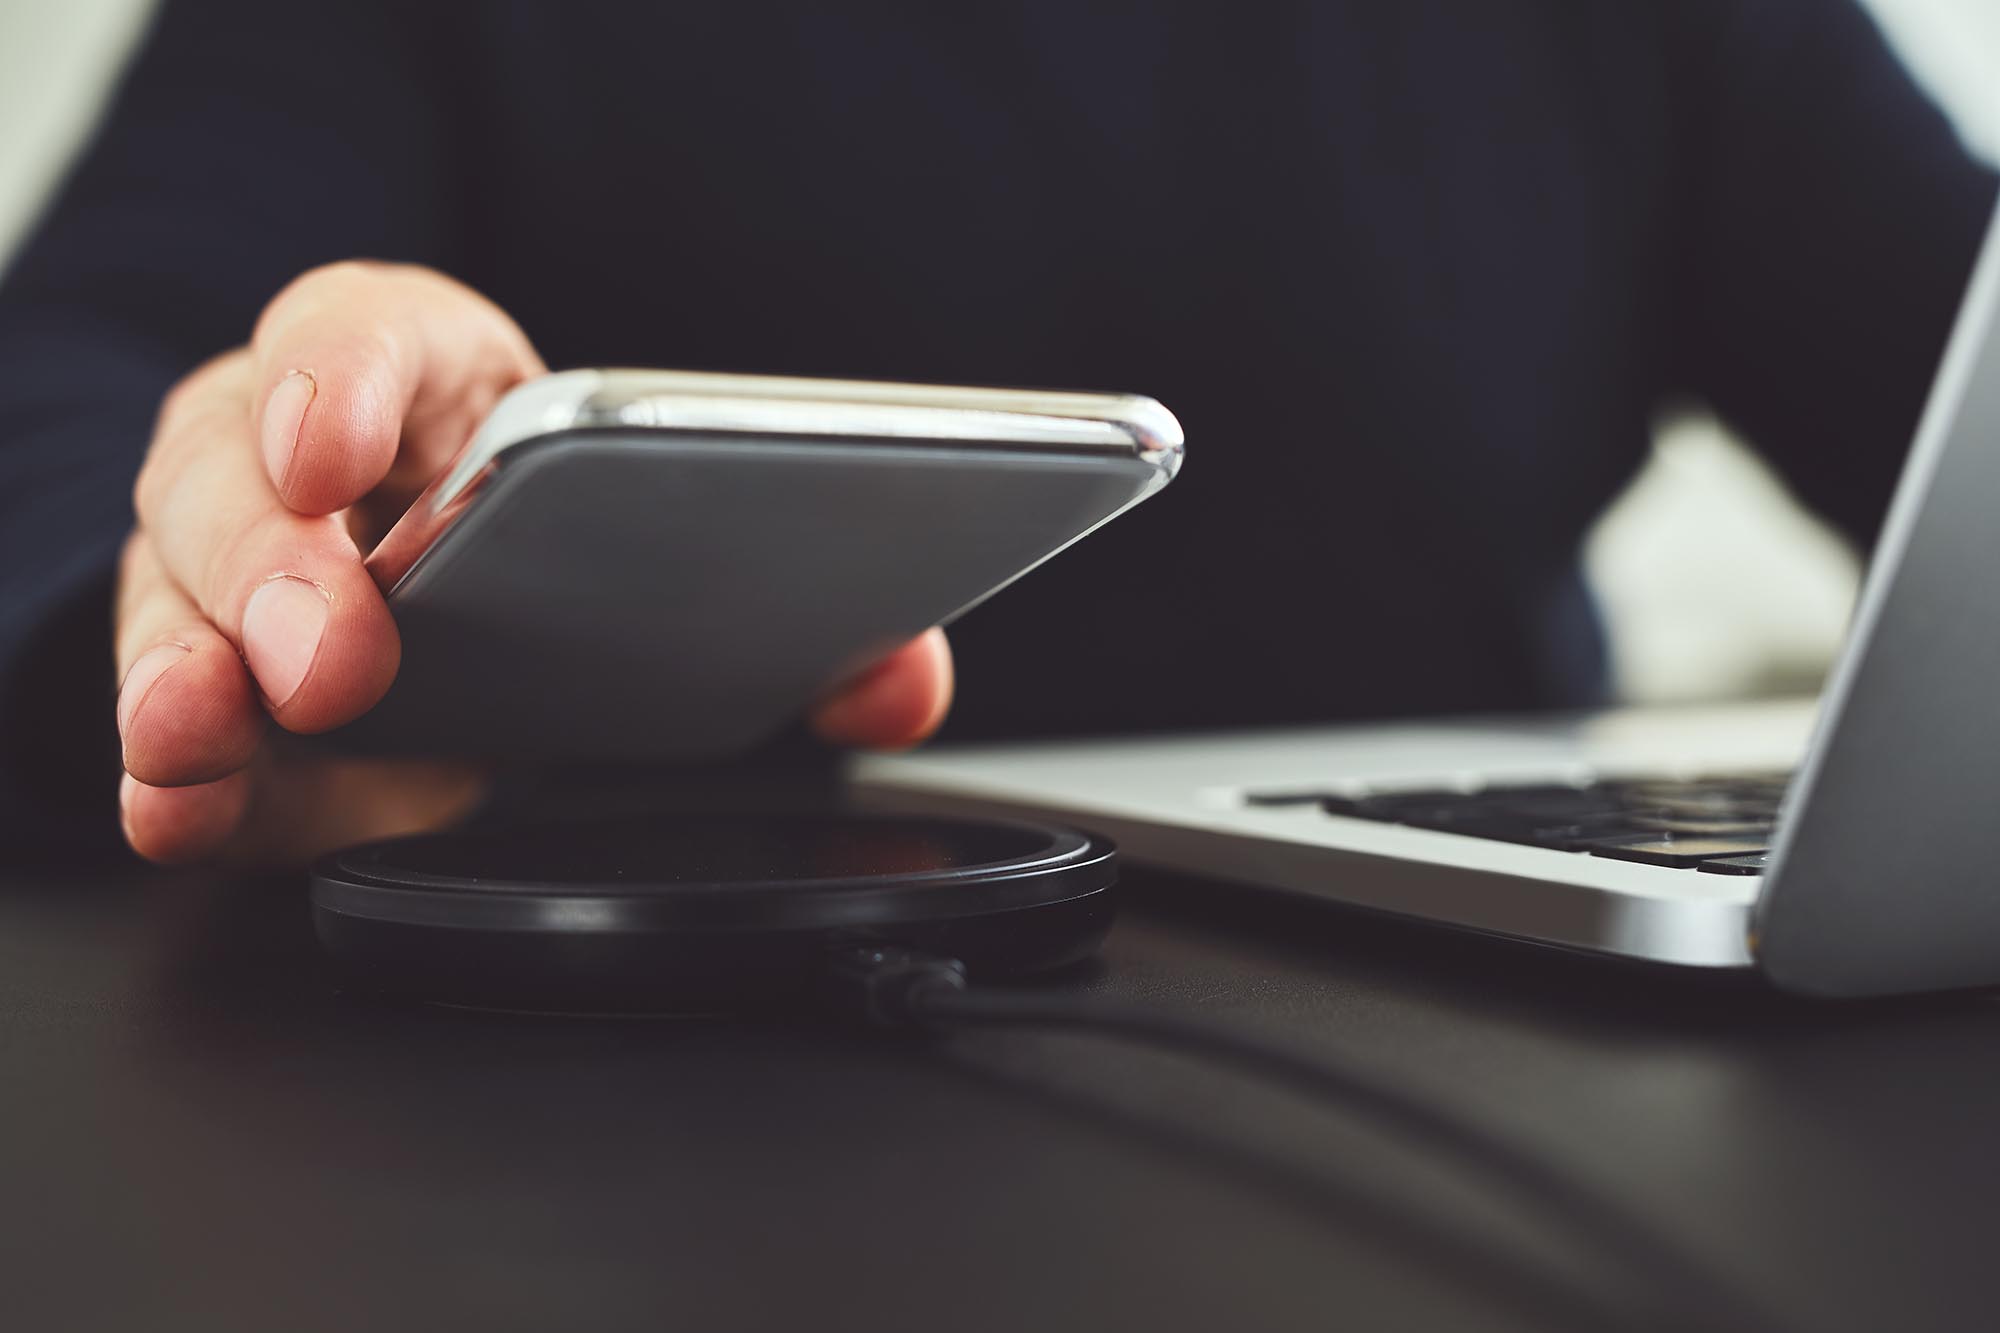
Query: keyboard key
x,y
1396,807
1697,800
1502,830
1553,803
1733,828
1284,797
1577,837
1772,784
1737,865
1345,805
1675,849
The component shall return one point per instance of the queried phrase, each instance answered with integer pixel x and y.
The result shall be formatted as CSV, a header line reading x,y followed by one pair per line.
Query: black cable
x,y
899,988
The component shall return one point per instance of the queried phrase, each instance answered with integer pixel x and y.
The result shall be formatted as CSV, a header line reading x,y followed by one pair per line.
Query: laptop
x,y
1848,847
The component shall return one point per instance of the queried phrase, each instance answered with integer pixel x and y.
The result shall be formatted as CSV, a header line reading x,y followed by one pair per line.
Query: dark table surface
x,y
200,1130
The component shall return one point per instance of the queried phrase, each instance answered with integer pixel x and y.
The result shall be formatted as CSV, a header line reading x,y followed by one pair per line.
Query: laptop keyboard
x,y
1721,824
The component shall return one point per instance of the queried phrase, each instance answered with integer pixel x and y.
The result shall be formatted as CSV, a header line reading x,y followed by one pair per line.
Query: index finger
x,y
364,370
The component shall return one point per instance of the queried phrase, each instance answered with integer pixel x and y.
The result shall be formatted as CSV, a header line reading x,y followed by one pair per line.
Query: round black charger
x,y
703,912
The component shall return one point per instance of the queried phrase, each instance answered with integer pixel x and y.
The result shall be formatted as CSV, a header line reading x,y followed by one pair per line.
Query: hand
x,y
242,598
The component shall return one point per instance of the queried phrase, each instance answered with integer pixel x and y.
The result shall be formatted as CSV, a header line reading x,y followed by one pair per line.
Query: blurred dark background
x,y
1712,582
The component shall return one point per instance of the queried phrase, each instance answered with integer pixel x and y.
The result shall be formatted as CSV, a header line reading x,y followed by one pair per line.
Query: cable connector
x,y
881,982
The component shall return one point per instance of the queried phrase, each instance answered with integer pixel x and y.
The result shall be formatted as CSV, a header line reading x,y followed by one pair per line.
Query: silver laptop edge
x,y
1178,802
1884,874
1881,880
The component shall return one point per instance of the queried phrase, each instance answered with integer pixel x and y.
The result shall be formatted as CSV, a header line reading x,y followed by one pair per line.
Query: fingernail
x,y
284,412
151,665
282,626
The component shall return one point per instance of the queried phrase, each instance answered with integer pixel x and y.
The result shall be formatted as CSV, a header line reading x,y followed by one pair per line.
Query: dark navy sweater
x,y
1417,277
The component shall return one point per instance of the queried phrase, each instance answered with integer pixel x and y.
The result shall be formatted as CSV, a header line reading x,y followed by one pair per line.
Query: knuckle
x,y
311,290
134,564
146,489
175,404
232,563
204,382
131,554
134,575
204,423
181,399
342,319
340,275
203,394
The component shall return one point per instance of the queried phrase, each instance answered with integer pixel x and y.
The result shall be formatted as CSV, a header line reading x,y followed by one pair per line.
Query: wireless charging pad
x,y
702,912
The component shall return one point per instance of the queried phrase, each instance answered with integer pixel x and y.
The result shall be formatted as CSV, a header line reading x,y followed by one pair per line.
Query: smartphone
x,y
649,564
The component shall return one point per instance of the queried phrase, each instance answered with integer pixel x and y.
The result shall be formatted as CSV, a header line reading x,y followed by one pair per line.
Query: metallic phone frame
x,y
707,404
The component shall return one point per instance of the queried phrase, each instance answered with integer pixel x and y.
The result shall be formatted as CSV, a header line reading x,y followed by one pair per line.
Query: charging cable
x,y
892,987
